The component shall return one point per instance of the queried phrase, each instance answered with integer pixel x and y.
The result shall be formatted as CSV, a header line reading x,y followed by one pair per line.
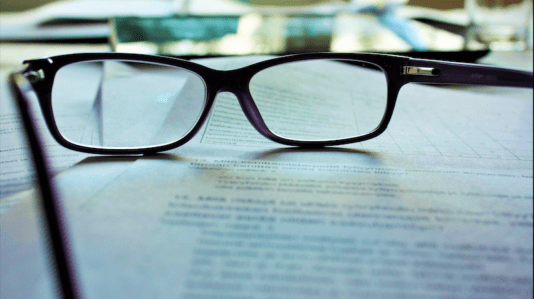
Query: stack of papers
x,y
439,206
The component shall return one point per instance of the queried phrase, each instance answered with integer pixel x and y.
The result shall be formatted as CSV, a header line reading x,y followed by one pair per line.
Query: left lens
x,y
320,100
126,104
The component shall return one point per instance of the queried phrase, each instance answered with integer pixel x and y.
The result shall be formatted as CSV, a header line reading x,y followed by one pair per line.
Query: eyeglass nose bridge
x,y
230,81
237,83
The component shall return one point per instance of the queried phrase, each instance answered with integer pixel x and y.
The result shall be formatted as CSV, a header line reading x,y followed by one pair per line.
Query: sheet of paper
x,y
24,262
253,228
15,171
439,206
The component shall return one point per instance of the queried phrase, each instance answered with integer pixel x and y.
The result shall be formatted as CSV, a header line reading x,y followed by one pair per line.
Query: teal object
x,y
172,29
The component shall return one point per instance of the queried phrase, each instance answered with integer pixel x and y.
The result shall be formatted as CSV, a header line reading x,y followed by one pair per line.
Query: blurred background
x,y
20,5
244,27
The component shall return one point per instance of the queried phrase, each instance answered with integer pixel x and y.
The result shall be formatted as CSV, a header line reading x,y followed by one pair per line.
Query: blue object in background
x,y
401,27
386,15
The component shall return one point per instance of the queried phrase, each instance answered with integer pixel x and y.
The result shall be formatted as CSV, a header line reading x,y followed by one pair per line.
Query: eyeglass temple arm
x,y
438,72
53,216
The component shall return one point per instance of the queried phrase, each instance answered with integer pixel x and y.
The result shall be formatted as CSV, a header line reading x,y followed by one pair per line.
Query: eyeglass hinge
x,y
420,71
35,76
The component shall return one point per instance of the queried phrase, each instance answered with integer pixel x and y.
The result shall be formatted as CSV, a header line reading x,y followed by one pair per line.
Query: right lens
x,y
126,104
320,100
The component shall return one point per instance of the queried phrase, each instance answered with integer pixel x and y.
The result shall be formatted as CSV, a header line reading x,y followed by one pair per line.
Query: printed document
x,y
439,206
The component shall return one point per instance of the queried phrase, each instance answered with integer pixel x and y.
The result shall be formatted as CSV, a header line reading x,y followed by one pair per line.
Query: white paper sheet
x,y
15,170
439,206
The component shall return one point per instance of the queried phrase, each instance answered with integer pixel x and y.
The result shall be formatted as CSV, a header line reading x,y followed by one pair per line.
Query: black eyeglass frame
x,y
55,224
399,70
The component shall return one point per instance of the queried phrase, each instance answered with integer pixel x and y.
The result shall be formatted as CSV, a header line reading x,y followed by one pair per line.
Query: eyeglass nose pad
x,y
252,113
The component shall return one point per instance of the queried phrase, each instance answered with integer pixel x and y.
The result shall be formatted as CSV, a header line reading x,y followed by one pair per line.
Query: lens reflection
x,y
126,104
321,99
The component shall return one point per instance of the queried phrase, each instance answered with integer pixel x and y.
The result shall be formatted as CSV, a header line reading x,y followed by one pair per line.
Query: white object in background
x,y
75,19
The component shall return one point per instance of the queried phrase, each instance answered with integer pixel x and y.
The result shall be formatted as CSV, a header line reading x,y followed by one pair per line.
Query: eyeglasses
x,y
32,78
117,103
